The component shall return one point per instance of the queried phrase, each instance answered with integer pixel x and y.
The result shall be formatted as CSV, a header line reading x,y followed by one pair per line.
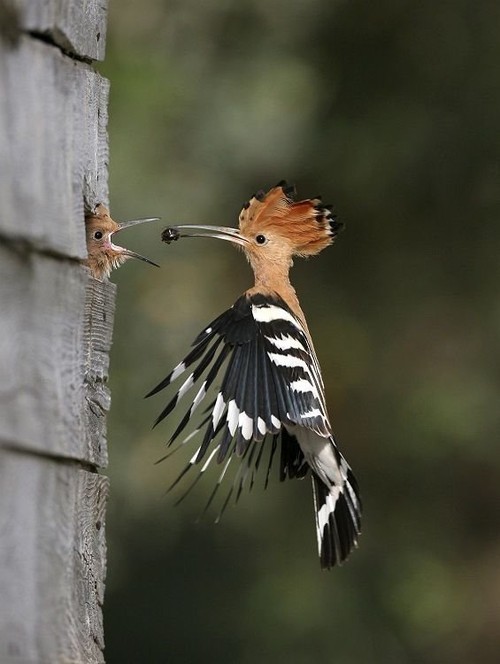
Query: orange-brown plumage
x,y
291,228
103,254
307,226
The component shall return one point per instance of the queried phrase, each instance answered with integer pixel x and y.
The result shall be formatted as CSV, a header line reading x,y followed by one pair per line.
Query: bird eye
x,y
98,235
261,239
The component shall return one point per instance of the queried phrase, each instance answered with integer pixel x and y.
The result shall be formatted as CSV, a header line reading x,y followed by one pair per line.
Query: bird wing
x,y
270,386
269,382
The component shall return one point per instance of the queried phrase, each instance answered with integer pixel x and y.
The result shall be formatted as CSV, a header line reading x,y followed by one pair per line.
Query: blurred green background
x,y
390,110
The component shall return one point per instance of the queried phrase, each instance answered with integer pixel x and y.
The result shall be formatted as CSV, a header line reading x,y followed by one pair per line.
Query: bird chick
x,y
103,254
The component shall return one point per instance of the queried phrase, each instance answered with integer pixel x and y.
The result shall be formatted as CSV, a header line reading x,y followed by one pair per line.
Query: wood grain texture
x,y
97,337
55,334
52,561
53,146
77,27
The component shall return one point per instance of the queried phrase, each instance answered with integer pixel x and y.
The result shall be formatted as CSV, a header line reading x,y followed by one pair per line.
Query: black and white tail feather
x,y
271,388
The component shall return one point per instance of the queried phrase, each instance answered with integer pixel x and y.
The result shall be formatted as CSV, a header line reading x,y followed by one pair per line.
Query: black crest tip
x,y
336,227
288,189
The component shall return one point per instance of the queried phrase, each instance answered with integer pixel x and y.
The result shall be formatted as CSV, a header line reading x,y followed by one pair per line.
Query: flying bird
x,y
103,254
271,389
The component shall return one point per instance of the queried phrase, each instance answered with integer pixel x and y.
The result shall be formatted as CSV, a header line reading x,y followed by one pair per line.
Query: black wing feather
x,y
260,388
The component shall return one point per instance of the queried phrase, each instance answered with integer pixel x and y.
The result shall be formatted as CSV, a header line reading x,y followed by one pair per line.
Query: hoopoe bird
x,y
271,385
103,255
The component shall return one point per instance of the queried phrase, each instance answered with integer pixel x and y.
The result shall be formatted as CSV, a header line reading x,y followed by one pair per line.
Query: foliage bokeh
x,y
390,111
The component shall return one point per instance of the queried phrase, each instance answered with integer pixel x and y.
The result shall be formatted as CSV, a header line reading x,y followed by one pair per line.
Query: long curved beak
x,y
194,230
127,252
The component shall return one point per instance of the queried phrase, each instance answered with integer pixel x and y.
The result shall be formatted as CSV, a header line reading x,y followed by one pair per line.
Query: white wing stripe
x,y
314,412
179,369
199,397
232,416
285,342
302,385
287,361
246,424
219,406
207,462
193,458
271,312
189,382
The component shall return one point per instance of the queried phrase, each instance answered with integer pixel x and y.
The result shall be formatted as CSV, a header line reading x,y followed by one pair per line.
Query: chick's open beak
x,y
128,252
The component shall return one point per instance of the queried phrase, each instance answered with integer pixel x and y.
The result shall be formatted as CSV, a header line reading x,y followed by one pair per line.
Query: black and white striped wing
x,y
268,384
268,374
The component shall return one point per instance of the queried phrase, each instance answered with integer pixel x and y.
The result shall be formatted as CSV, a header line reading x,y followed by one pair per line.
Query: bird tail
x,y
337,504
338,512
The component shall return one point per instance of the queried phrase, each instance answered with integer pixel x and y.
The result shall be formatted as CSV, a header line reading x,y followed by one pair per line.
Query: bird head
x,y
273,226
103,254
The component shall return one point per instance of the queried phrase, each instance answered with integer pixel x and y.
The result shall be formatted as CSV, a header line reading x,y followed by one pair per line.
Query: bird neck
x,y
274,278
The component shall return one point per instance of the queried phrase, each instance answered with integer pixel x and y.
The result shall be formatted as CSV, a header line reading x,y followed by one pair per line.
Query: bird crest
x,y
308,226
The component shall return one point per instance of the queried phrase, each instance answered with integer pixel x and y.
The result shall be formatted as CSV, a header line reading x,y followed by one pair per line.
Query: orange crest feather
x,y
308,225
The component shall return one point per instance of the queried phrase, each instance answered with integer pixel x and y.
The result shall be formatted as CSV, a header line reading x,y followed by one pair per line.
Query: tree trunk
x,y
55,333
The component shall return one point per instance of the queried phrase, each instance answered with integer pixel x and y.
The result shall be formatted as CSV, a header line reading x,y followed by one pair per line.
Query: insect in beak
x,y
173,233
